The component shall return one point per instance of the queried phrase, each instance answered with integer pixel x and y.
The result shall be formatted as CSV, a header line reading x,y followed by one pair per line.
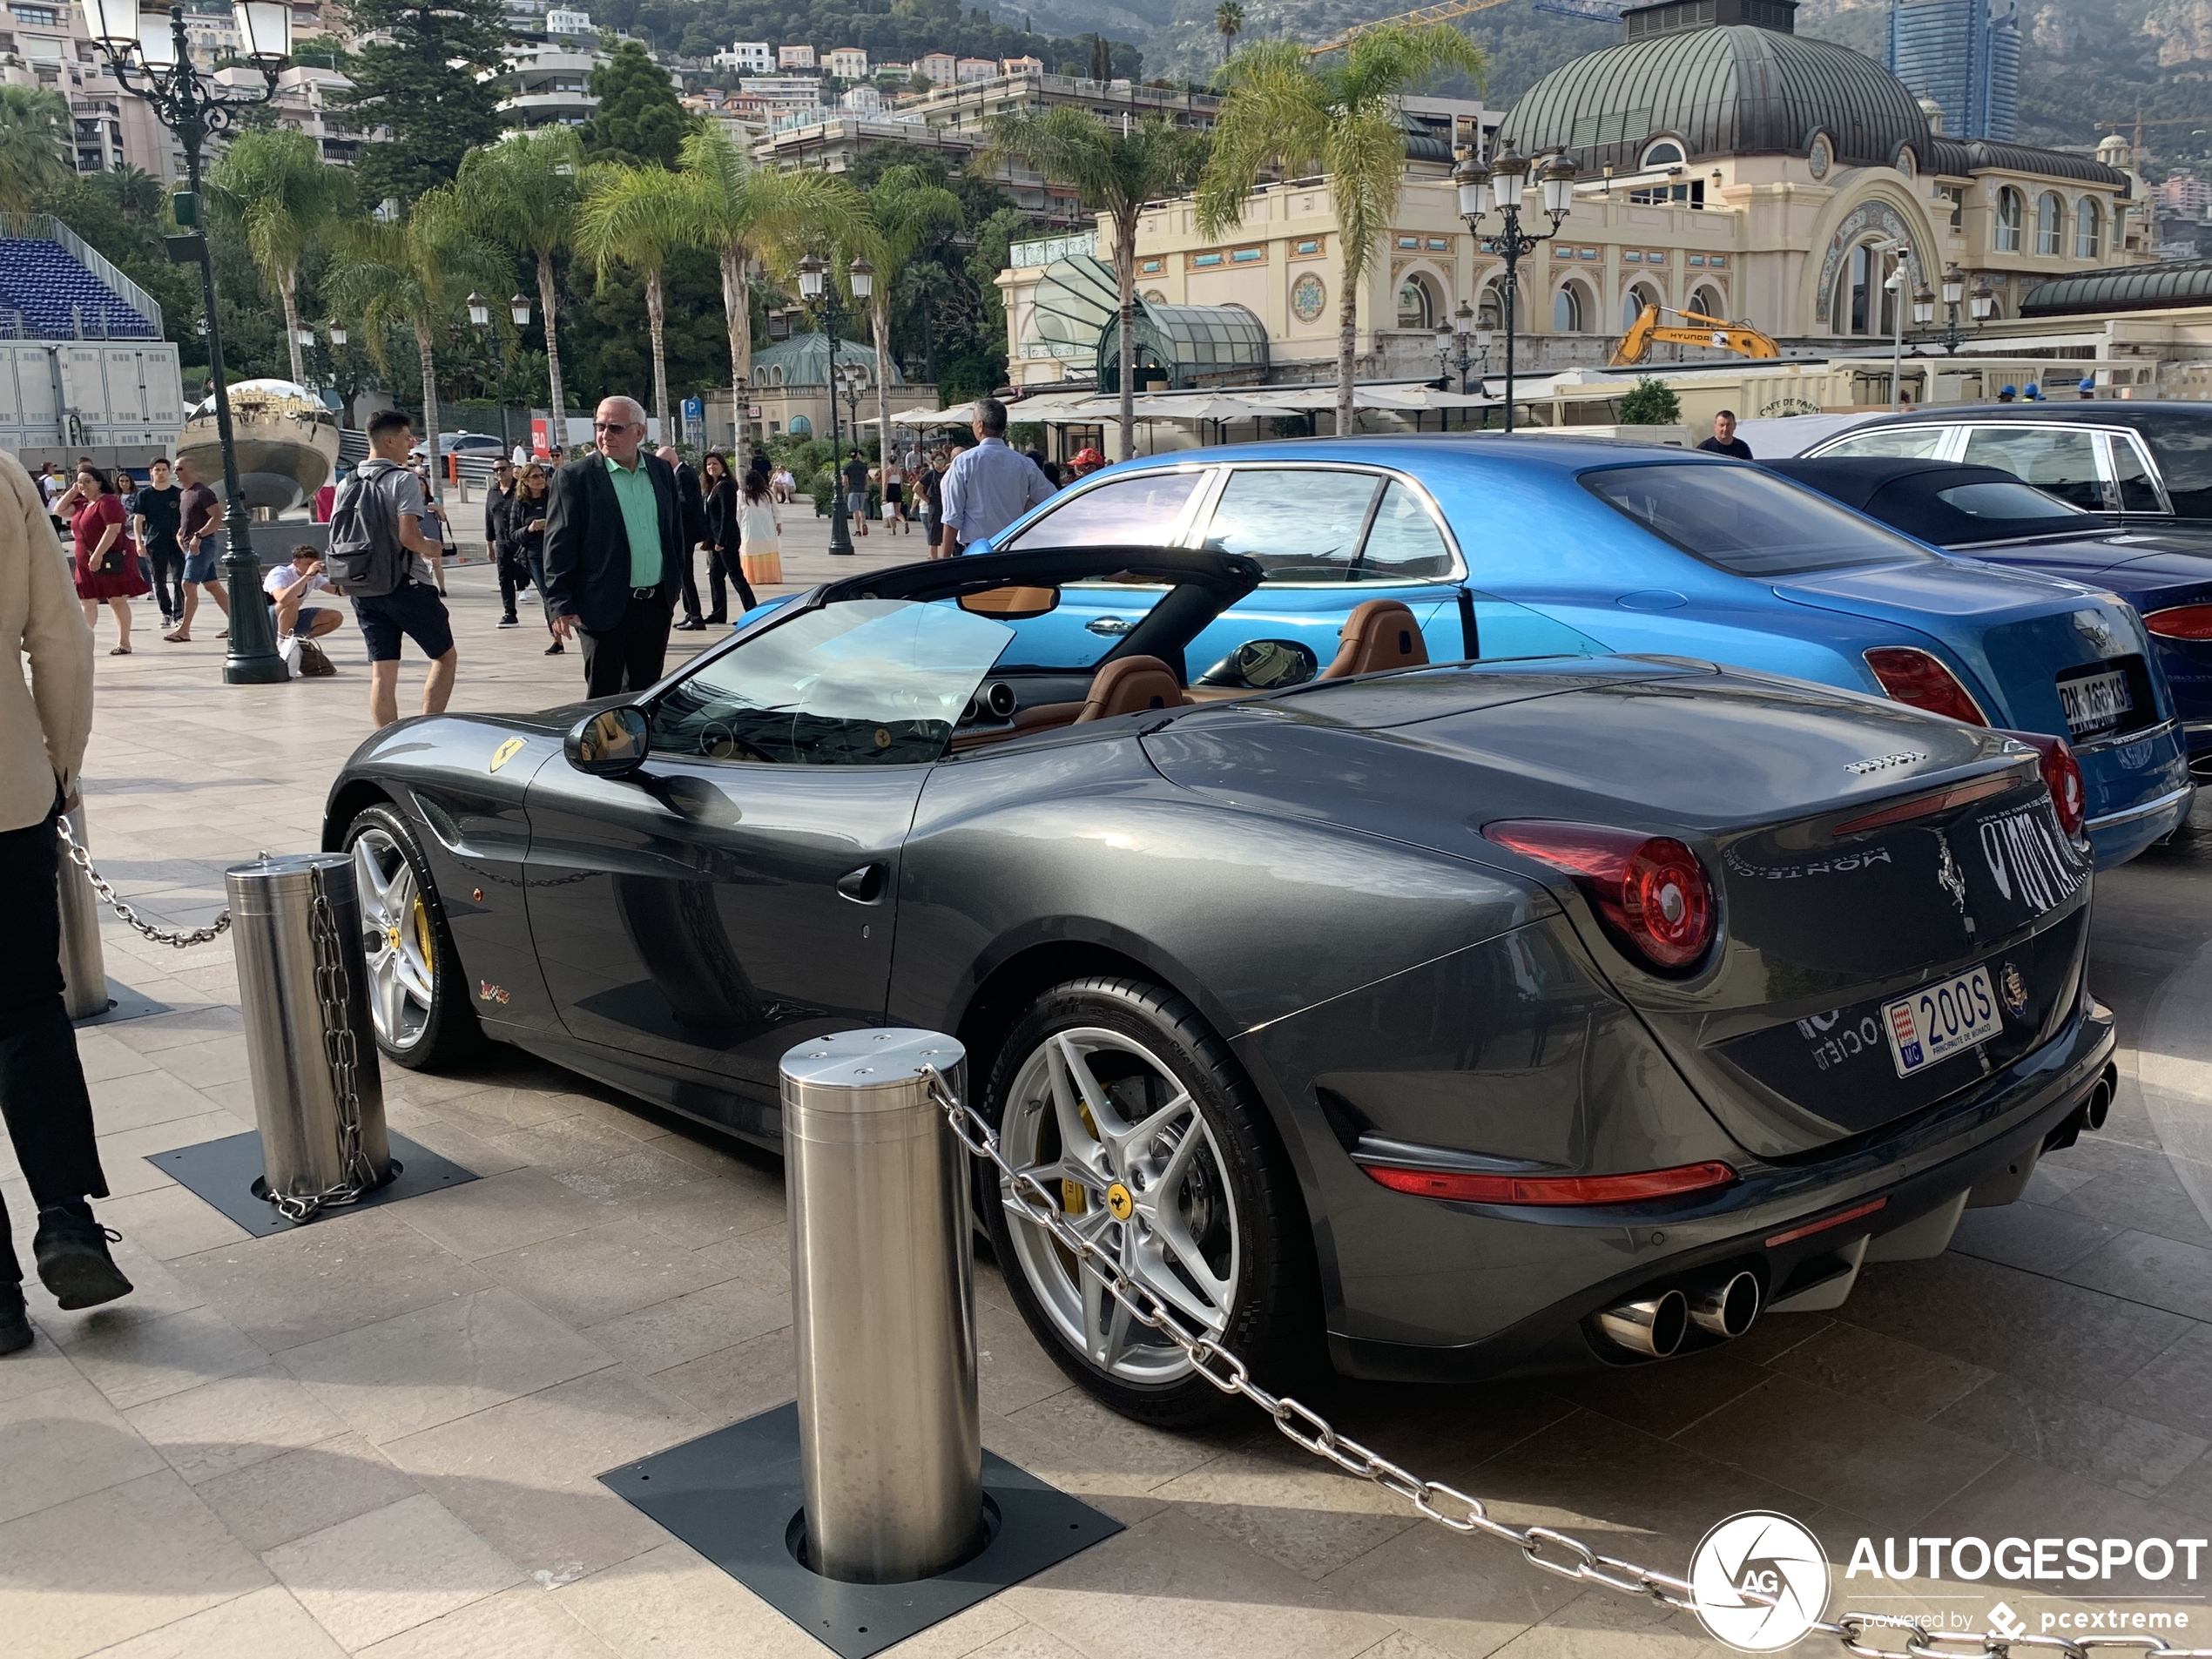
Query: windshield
x,y
2006,501
866,682
1746,522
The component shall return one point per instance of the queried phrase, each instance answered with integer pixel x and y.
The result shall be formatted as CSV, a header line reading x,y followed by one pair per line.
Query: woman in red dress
x,y
107,561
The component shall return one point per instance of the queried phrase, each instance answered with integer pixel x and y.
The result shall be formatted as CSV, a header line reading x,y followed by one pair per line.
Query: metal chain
x,y
1553,1551
332,994
83,861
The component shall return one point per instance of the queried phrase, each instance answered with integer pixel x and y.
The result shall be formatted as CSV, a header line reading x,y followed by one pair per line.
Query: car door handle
x,y
863,886
1107,626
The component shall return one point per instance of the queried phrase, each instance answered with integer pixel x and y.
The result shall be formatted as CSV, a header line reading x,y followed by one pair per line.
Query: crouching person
x,y
286,588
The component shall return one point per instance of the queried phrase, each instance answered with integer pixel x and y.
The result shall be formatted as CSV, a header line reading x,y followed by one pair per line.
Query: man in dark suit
x,y
614,540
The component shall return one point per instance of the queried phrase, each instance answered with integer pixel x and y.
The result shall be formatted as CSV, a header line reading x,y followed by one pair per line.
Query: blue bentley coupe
x,y
1646,551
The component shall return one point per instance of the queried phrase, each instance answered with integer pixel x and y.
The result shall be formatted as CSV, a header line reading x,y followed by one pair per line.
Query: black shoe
x,y
15,1322
690,625
72,1248
511,621
555,649
718,620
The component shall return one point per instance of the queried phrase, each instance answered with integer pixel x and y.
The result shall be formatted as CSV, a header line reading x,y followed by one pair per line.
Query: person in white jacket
x,y
44,723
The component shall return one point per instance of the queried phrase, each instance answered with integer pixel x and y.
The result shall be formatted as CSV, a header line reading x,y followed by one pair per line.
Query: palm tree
x,y
136,193
640,217
1283,112
414,276
274,187
1228,22
906,214
34,130
1111,173
522,191
742,213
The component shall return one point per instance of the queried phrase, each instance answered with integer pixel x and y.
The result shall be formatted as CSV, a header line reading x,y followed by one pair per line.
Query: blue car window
x,y
866,682
1139,510
2054,459
1404,544
1746,522
2138,492
1303,524
2005,501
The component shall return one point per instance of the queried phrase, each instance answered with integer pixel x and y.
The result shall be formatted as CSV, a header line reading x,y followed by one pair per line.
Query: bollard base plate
x,y
735,1495
225,1172
123,1003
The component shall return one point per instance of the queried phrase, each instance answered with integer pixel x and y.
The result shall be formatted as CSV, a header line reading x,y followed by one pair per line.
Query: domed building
x,y
1724,165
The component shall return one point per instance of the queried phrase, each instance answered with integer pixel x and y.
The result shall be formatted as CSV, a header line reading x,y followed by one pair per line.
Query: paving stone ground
x,y
379,1435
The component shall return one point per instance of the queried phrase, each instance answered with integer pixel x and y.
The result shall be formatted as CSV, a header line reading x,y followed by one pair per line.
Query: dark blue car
x,y
1653,552
2163,569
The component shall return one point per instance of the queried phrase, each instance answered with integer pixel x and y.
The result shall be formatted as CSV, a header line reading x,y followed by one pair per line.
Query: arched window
x,y
801,427
1706,302
1863,304
2050,220
2088,230
1416,305
1569,310
1665,153
2010,212
1633,302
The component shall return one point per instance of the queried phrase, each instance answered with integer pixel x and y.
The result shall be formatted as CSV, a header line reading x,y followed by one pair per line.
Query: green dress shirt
x,y
640,517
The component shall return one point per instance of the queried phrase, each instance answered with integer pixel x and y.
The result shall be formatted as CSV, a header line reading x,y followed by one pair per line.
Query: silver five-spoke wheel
x,y
397,933
1101,1121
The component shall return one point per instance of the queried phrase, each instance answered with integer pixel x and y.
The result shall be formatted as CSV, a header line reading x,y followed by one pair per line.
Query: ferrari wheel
x,y
415,992
1119,1099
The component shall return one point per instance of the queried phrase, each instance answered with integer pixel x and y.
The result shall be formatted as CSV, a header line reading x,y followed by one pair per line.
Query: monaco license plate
x,y
2096,702
1941,1020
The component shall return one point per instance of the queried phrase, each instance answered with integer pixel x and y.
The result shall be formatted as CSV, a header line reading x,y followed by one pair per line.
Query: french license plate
x,y
2095,702
1941,1020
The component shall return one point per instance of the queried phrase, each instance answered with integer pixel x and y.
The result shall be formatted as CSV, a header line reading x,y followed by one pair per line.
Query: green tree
x,y
906,214
1228,22
640,217
522,191
427,76
34,133
414,278
741,214
136,193
1650,402
639,120
1282,110
275,191
1114,173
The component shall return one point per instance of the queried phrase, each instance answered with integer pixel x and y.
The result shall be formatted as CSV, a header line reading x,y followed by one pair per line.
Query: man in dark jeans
x,y
499,539
44,725
614,543
159,506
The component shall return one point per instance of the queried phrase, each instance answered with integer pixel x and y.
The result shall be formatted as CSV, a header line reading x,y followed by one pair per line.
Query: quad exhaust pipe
x,y
1655,1326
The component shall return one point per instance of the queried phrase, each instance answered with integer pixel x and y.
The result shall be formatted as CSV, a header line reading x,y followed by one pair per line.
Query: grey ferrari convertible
x,y
1545,1008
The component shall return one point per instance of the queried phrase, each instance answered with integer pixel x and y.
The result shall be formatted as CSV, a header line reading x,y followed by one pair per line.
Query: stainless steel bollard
x,y
83,963
303,985
883,1304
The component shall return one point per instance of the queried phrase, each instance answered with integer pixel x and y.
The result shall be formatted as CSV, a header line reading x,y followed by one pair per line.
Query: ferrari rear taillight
x,y
1650,891
1468,1187
2181,622
2061,776
1913,677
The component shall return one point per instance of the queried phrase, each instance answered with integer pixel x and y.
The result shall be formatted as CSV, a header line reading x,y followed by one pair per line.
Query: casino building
x,y
1725,165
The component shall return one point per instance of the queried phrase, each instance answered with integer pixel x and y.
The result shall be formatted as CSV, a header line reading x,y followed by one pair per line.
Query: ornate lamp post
x,y
818,291
150,57
1506,178
1954,290
1460,344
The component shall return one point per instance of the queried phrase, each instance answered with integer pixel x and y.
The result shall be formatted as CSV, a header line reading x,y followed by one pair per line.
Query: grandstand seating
x,y
58,297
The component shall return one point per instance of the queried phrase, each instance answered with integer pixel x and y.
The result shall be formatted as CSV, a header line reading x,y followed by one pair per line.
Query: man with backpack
x,y
381,559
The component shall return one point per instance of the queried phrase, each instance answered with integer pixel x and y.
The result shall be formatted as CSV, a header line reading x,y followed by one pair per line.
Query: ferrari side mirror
x,y
611,744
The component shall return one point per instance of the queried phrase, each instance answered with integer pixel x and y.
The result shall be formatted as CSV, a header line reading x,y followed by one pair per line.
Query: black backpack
x,y
365,559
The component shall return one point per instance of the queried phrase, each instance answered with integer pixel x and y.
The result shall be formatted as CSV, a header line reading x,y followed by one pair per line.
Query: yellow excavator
x,y
1695,329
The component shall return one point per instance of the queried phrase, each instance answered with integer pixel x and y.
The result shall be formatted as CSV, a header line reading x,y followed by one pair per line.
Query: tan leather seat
x,y
1380,634
1130,685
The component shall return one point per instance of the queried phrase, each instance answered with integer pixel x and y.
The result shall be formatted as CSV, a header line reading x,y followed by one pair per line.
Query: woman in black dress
x,y
721,491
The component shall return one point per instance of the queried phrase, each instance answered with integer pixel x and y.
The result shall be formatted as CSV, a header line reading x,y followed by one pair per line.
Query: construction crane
x,y
2139,124
1698,330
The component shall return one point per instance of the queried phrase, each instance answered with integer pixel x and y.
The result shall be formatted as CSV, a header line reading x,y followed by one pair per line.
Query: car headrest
x,y
1130,685
1380,634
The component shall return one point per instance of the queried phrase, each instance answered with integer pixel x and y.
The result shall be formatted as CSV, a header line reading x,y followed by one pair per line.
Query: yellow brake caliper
x,y
1073,1200
422,929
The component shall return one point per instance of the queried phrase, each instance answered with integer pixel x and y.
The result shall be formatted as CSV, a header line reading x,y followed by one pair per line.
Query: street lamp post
x,y
817,290
1460,344
1954,290
1506,180
150,57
